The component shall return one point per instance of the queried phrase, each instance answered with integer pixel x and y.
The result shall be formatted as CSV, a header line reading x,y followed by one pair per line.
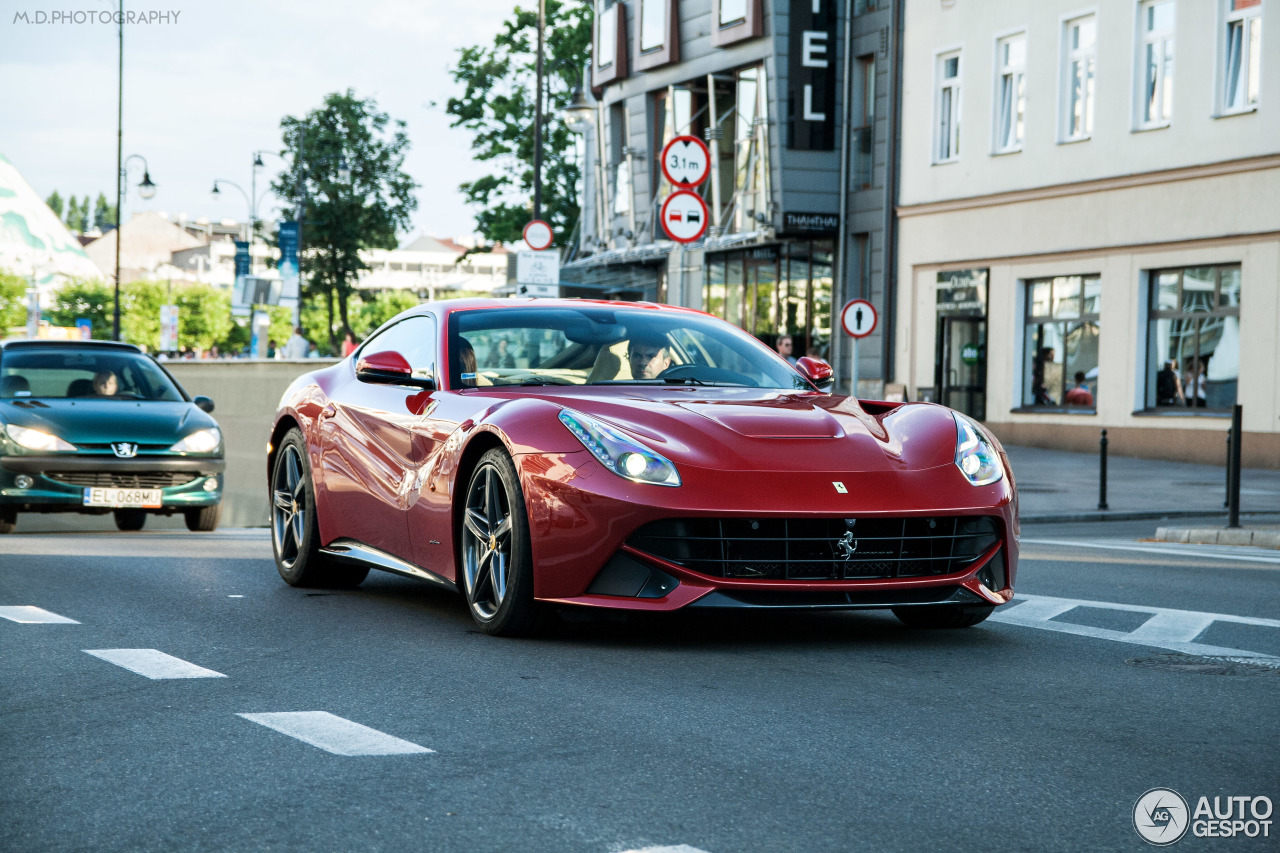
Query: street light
x,y
146,190
578,113
216,195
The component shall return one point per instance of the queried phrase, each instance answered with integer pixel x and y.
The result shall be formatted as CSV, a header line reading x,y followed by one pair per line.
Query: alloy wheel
x,y
288,506
486,545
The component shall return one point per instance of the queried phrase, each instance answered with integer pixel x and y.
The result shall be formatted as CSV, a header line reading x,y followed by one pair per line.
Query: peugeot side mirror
x,y
204,403
818,372
390,368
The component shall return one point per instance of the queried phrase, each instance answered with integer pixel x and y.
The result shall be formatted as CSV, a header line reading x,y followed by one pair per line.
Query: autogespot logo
x,y
1160,817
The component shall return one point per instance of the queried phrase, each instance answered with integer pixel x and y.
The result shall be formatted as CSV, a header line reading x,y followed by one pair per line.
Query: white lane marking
x,y
335,734
235,596
31,615
1175,551
679,848
1166,629
153,664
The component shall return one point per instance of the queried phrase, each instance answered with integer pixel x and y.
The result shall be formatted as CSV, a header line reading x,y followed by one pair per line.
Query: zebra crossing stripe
x,y
153,664
335,734
29,615
1175,630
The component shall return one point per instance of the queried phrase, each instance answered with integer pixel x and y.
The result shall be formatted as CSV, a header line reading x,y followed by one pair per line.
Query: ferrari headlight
x,y
975,457
621,455
34,439
199,442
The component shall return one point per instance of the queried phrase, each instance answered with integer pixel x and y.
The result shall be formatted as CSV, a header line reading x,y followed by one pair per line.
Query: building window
x,y
1242,56
653,24
1193,338
947,144
1011,59
1061,341
1080,60
732,11
606,34
864,113
1155,61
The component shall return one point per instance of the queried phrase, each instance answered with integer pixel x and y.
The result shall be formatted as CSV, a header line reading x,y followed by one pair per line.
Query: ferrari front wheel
x,y
497,566
295,535
942,615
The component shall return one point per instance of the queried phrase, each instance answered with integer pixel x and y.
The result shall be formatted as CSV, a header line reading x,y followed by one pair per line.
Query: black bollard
x,y
1237,415
1102,472
1226,497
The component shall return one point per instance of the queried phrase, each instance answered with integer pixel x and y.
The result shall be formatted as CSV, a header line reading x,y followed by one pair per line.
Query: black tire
x,y
496,560
8,521
943,615
295,537
130,519
204,518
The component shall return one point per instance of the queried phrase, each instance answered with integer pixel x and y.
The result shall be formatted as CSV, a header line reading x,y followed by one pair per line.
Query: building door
x,y
962,364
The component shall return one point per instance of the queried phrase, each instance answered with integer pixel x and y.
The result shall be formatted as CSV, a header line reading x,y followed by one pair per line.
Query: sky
x,y
203,93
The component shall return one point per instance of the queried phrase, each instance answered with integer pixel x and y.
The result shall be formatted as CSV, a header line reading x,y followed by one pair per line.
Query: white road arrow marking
x,y
335,734
153,664
32,615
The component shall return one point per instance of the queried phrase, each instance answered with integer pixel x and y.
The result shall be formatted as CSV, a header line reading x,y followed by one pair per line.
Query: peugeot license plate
x,y
123,498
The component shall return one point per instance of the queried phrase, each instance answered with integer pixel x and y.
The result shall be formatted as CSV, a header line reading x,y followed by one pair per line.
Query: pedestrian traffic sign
x,y
538,235
858,318
684,216
686,161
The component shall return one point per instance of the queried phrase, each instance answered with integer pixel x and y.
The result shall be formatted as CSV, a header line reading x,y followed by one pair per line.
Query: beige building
x,y
1090,221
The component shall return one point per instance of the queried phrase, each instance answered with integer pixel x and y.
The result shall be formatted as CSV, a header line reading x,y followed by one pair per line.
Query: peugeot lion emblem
x,y
125,449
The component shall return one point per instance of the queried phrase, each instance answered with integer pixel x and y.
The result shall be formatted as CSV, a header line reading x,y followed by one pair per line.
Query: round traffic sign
x,y
858,318
684,216
538,235
686,161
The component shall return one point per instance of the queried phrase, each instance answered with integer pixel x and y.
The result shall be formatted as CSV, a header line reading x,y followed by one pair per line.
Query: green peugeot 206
x,y
98,427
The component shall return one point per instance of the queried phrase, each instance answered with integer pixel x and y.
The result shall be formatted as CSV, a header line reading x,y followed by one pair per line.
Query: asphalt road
x,y
756,732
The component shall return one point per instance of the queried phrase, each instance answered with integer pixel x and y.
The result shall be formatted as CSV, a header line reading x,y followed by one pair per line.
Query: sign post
x,y
858,317
168,327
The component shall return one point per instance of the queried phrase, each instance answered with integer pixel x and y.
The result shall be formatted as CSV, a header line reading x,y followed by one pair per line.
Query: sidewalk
x,y
1055,485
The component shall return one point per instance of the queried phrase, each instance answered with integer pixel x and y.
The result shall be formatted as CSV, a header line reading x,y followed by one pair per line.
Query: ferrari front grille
x,y
819,548
140,480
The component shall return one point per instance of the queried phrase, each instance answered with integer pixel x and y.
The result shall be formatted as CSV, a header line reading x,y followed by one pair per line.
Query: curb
x,y
1138,515
1220,536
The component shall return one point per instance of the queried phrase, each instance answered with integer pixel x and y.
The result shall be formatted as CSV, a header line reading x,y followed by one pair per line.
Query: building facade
x,y
1089,228
793,101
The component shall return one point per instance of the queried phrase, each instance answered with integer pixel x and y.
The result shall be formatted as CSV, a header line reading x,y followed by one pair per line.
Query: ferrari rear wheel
x,y
205,518
130,519
497,563
943,615
295,537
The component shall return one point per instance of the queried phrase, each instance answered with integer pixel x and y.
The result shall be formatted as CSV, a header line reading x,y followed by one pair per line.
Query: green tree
x,y
378,310
204,315
140,303
73,212
342,217
55,203
13,302
497,106
104,215
92,298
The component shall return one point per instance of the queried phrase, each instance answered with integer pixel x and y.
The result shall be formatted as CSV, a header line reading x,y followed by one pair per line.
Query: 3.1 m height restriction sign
x,y
684,216
686,161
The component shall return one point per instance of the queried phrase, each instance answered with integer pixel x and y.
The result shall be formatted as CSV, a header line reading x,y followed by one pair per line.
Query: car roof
x,y
444,306
49,343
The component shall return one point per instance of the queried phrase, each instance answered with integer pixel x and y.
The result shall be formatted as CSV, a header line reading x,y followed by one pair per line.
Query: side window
x,y
414,338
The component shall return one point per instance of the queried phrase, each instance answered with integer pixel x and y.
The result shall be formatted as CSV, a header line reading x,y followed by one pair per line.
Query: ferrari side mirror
x,y
390,368
818,372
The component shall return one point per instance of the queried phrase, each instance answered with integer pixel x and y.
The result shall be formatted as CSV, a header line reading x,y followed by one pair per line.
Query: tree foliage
x,y
497,106
381,308
341,218
92,298
55,203
104,214
13,301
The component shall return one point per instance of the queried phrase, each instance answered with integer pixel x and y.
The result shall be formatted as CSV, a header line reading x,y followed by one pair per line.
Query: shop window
x,y
1193,338
1061,342
1155,63
1241,55
947,142
1079,64
1011,72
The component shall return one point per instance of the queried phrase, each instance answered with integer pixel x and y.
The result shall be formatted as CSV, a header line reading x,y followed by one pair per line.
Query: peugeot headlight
x,y
621,455
34,439
975,457
199,442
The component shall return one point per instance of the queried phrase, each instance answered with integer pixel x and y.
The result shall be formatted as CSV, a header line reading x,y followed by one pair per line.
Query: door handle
x,y
328,411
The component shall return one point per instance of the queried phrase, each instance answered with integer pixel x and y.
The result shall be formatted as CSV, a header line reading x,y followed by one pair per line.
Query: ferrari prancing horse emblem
x,y
847,545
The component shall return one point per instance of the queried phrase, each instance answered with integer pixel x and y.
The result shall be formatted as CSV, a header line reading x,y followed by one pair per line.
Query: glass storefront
x,y
774,290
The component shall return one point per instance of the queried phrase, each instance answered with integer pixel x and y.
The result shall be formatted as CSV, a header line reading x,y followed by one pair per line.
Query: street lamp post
x,y
146,190
579,118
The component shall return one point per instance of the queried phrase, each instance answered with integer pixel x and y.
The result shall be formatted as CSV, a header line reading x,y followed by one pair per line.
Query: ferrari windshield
x,y
81,372
597,345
